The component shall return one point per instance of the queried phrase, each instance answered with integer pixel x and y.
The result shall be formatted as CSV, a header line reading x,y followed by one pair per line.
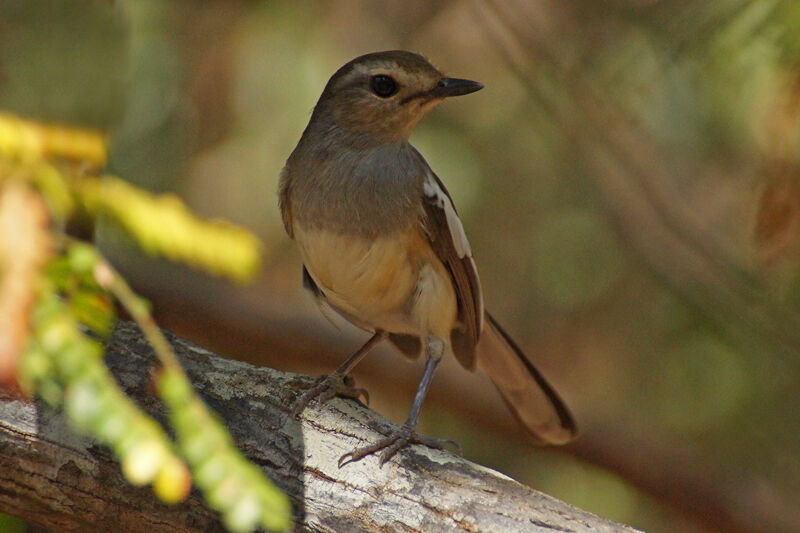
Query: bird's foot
x,y
394,443
326,387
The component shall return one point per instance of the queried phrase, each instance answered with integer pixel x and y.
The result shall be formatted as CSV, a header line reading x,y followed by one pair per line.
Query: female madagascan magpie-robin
x,y
382,244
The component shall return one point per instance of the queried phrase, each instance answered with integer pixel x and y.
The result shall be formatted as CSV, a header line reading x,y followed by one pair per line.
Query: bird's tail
x,y
532,400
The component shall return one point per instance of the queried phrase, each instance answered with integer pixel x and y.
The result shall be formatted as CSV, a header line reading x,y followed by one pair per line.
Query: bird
x,y
382,246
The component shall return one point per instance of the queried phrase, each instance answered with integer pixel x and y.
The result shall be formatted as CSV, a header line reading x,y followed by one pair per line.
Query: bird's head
x,y
385,94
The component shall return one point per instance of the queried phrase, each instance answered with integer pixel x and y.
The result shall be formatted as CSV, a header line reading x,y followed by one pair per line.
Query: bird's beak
x,y
454,87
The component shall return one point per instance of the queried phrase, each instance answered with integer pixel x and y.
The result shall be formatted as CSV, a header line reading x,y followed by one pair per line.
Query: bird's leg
x,y
338,383
405,435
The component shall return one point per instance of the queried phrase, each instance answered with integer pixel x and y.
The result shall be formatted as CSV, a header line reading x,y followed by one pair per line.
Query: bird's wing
x,y
446,235
331,314
284,191
533,401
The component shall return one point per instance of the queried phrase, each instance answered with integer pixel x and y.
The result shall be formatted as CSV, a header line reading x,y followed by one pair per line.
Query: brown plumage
x,y
383,246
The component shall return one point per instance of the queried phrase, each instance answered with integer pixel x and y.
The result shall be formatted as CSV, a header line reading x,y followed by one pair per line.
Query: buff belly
x,y
393,283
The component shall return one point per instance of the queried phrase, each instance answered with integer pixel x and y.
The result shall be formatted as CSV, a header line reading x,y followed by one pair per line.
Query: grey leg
x,y
406,434
337,382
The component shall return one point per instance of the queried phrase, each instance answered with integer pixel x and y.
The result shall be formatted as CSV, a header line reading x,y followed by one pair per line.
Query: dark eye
x,y
383,85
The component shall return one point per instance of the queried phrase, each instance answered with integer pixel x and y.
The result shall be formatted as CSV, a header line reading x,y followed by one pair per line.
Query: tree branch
x,y
287,331
56,480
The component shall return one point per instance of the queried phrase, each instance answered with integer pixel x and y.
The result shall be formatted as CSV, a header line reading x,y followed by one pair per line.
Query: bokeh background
x,y
628,179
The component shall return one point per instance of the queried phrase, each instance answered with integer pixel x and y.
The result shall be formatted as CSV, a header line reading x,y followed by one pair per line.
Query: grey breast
x,y
369,191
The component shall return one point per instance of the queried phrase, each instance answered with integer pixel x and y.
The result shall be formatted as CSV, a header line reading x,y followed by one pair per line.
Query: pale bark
x,y
63,482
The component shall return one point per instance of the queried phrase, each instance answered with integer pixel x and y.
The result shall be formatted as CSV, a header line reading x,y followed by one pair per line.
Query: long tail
x,y
532,400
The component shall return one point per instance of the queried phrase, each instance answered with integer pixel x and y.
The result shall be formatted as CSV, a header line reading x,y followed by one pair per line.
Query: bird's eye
x,y
383,85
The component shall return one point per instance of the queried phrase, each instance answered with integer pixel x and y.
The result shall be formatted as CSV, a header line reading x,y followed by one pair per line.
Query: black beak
x,y
455,87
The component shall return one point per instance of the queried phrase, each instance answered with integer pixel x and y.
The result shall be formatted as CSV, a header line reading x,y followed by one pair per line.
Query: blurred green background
x,y
628,179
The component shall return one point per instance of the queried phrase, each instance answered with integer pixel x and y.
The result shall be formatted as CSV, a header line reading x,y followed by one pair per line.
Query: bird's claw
x,y
394,443
327,387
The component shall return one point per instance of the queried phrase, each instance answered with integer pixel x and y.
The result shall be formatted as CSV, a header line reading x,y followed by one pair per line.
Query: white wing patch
x,y
438,197
434,193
